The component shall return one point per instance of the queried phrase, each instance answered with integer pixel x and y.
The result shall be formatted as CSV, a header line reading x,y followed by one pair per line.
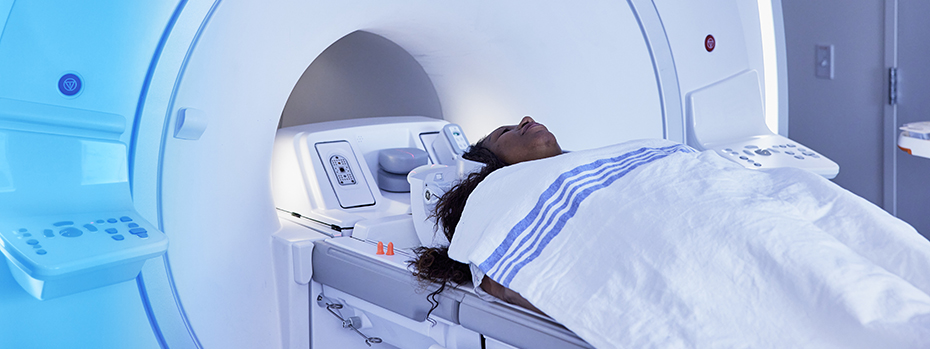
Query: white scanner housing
x,y
193,93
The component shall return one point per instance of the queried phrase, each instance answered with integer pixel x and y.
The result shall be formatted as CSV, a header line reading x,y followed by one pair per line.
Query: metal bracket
x,y
353,322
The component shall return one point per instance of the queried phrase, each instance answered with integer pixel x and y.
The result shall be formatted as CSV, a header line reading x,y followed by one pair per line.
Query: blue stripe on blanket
x,y
557,204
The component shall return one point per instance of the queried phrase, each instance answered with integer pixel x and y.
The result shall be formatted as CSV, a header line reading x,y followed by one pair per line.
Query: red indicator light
x,y
710,43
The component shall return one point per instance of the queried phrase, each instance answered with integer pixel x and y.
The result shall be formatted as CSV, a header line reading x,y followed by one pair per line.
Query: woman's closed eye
x,y
505,130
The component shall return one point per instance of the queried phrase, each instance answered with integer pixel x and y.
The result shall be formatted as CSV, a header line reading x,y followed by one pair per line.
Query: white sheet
x,y
651,244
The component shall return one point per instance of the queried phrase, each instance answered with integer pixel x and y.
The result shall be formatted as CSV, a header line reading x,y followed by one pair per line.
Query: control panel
x,y
773,151
52,256
345,175
451,145
340,166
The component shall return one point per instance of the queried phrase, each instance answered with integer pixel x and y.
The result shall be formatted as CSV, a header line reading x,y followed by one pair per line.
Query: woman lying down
x,y
653,244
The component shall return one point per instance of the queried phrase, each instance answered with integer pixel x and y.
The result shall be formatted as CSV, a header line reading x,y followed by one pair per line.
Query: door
x,y
907,177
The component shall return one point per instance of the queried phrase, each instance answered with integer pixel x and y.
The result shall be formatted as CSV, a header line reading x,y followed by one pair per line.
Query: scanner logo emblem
x,y
69,84
710,43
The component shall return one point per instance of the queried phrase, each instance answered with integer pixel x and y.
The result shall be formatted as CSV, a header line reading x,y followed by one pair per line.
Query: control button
x,y
41,252
710,43
99,221
62,223
132,225
799,157
743,158
112,220
815,156
111,230
789,152
802,149
758,164
728,150
748,152
49,233
118,237
26,235
23,230
791,146
137,231
37,246
144,236
32,242
763,152
71,232
125,219
69,84
751,147
90,227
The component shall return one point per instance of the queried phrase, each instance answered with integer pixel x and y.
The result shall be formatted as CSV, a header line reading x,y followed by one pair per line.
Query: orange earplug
x,y
390,251
380,248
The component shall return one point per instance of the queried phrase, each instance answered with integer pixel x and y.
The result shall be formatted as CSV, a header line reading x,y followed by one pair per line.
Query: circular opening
x,y
361,75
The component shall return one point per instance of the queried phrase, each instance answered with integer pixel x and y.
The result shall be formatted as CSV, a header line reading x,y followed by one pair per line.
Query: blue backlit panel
x,y
67,222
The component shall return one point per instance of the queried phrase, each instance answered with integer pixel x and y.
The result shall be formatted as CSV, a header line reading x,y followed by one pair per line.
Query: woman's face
x,y
525,141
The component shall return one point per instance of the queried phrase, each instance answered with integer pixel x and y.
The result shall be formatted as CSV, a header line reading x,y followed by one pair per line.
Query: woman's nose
x,y
526,119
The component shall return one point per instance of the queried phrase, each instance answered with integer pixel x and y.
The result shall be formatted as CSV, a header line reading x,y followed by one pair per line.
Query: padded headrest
x,y
394,164
402,160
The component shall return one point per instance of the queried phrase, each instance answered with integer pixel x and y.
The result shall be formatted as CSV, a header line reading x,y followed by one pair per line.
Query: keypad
x,y
342,170
753,152
41,244
71,232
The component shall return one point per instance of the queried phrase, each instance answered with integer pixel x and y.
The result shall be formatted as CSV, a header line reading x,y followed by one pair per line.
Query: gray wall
x,y
841,118
361,75
844,118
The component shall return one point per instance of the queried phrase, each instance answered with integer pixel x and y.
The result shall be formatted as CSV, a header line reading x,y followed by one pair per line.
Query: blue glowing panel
x,y
68,224
79,69
106,317
91,55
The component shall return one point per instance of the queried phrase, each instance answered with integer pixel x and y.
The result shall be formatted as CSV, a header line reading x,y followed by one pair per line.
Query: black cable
x,y
317,221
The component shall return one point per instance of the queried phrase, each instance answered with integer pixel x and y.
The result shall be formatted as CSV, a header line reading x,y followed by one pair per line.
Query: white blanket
x,y
652,244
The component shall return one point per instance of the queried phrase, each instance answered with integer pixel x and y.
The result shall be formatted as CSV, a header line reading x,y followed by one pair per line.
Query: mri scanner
x,y
163,179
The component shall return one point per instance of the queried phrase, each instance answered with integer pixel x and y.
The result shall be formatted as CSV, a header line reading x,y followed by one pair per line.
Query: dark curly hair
x,y
433,263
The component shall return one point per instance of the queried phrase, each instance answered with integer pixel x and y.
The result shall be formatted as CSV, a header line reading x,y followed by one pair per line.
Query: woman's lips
x,y
528,126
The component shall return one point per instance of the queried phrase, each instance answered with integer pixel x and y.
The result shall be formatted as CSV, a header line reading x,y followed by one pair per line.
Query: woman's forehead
x,y
498,131
494,134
